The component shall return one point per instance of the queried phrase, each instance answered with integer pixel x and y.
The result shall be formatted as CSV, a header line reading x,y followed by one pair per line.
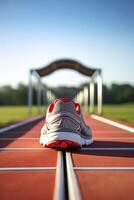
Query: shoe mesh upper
x,y
63,116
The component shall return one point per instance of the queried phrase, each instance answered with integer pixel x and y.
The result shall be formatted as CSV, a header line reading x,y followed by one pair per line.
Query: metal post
x,y
82,98
48,100
85,98
78,97
39,95
39,89
80,101
50,95
91,96
44,95
99,93
30,94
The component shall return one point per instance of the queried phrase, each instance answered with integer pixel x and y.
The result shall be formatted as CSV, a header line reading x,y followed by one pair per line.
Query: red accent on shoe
x,y
51,107
77,106
63,144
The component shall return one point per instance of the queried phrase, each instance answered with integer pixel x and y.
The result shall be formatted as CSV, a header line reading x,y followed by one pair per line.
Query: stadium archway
x,y
94,74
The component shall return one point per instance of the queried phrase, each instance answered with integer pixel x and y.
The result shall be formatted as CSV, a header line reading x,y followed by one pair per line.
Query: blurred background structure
x,y
82,96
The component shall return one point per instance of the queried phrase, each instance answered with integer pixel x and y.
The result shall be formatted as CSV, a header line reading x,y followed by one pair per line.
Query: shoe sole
x,y
62,145
59,139
84,142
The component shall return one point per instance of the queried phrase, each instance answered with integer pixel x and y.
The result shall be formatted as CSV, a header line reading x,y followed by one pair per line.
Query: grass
x,y
11,114
123,112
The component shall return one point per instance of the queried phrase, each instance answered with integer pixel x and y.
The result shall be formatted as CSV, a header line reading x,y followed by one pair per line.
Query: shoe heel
x,y
63,144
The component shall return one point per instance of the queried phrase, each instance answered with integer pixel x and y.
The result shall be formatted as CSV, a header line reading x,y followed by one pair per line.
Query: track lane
x,y
28,158
101,126
19,143
30,185
116,183
103,159
29,174
104,135
106,185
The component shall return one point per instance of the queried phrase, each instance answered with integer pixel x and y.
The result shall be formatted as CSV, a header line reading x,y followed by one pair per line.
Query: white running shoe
x,y
65,127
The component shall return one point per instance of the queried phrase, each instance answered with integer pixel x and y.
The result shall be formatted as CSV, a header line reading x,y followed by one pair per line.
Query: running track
x,y
104,170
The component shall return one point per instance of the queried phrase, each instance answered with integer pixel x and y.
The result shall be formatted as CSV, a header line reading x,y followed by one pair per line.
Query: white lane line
x,y
104,168
109,132
19,138
59,190
113,138
2,130
21,148
73,188
26,169
108,149
116,124
95,138
82,149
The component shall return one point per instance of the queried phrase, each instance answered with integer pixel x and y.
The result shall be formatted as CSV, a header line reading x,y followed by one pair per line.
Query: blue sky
x,y
96,33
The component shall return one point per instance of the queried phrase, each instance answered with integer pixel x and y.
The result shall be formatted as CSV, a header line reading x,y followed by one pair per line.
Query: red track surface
x,y
26,185
117,185
93,185
106,185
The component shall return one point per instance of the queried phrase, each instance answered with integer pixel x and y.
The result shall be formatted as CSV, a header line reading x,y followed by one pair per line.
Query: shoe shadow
x,y
108,144
16,133
111,144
